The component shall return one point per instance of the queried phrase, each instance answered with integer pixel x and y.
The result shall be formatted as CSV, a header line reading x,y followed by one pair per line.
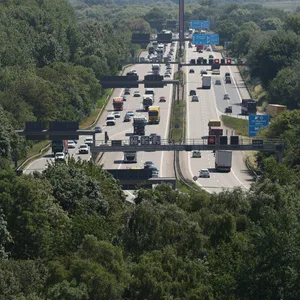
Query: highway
x,y
122,130
162,160
210,106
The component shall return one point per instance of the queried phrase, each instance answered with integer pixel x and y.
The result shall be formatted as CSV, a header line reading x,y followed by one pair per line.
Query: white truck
x,y
206,81
223,160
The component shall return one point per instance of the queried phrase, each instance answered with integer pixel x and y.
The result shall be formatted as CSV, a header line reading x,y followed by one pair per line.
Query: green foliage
x,y
275,52
97,267
22,279
284,88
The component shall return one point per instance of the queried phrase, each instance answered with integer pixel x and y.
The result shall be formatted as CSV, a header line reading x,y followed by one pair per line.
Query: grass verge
x,y
240,126
177,122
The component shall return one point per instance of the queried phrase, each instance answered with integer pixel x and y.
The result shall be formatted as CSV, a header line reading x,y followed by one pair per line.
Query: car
x,y
207,49
89,141
168,67
98,129
226,97
130,113
60,156
124,98
200,51
127,91
110,120
71,144
202,72
204,173
227,74
148,164
210,56
83,149
227,80
155,172
192,71
218,82
136,94
127,118
162,99
195,98
192,92
167,75
196,153
117,114
228,110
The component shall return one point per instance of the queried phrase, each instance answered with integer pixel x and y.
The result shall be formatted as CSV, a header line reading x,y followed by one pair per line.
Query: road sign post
x,y
256,122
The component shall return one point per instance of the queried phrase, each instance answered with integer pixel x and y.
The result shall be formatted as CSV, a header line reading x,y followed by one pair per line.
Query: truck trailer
x,y
248,107
118,103
274,110
147,101
223,160
139,123
206,81
59,146
154,114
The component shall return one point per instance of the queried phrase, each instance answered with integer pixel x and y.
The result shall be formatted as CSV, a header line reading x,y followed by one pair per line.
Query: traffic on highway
x,y
146,112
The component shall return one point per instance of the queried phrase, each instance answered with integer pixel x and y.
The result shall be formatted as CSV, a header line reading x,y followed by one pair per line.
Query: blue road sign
x,y
205,39
256,122
195,24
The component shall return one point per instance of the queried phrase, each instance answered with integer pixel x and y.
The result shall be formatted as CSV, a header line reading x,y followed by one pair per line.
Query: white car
x,y
71,145
83,149
110,120
117,114
136,94
130,113
88,141
204,173
60,156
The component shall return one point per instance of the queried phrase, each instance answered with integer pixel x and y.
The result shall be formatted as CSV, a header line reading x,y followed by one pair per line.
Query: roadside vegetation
x,y
240,126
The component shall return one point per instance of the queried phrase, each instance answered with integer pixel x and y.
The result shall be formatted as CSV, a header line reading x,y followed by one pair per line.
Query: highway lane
x,y
198,114
41,163
122,130
162,160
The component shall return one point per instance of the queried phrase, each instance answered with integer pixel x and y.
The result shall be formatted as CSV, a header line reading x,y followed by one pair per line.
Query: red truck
x,y
118,103
199,48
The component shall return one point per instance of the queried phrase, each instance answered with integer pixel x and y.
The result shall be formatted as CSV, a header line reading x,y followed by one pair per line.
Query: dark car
x,y
192,71
124,98
192,92
127,118
202,72
148,165
227,80
98,129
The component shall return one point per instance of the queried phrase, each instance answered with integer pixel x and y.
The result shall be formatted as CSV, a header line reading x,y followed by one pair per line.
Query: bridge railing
x,y
199,141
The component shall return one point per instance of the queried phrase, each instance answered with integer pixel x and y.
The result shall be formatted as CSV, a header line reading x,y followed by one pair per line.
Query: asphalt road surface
x,y
162,160
210,106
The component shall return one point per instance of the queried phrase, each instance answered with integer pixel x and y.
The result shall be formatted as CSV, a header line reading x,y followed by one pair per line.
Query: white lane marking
x,y
168,115
188,125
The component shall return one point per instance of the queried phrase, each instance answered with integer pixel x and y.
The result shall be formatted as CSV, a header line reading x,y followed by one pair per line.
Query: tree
x,y
285,89
138,25
275,52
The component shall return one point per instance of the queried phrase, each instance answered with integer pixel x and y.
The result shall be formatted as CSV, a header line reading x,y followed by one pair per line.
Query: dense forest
x,y
68,233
